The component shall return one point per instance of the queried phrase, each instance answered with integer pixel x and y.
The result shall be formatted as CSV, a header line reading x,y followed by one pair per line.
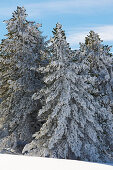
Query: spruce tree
x,y
72,129
99,62
19,52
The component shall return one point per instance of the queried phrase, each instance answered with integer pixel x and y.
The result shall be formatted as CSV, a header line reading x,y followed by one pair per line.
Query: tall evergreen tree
x,y
100,65
20,51
72,129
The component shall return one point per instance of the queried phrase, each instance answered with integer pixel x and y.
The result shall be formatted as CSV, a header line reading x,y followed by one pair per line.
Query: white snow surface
x,y
15,162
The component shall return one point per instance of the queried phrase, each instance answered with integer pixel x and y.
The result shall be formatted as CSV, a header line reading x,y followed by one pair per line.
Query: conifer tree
x,y
72,129
20,51
100,65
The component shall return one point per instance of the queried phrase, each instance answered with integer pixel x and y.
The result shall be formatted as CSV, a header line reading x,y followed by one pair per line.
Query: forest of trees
x,y
54,101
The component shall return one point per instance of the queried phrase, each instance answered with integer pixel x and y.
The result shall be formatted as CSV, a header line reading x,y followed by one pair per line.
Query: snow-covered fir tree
x,y
100,65
20,51
72,129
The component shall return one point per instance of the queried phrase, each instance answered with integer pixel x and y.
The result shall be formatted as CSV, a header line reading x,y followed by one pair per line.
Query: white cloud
x,y
61,7
67,7
78,34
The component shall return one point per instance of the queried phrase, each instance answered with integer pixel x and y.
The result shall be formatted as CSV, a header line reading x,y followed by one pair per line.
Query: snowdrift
x,y
15,162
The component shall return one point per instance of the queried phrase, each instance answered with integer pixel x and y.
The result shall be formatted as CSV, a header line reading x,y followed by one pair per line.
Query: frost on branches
x,y
99,62
20,51
72,129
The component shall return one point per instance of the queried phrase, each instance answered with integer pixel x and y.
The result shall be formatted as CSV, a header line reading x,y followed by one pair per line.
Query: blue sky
x,y
78,17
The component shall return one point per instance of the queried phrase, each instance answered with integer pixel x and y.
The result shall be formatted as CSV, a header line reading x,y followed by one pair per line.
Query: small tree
x,y
72,129
20,51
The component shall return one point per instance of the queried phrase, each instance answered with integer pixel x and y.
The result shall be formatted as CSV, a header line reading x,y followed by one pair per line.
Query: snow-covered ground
x,y
14,162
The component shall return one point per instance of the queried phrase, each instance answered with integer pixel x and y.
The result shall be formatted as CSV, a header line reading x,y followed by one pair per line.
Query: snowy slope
x,y
14,162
